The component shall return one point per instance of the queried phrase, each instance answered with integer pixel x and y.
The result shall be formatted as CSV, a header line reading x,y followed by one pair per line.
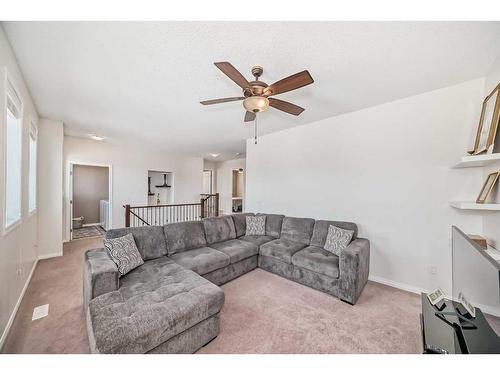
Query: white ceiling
x,y
141,82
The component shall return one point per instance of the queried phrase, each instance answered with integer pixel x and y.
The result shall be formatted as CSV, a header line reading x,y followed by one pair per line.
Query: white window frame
x,y
13,94
33,134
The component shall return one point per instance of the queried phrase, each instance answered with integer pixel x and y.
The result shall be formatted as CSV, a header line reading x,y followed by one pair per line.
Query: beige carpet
x,y
263,313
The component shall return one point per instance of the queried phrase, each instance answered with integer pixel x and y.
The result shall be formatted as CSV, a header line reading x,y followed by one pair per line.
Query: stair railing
x,y
138,216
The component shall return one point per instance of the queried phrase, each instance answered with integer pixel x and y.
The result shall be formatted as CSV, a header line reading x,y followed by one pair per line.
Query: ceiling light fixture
x,y
214,155
96,137
256,104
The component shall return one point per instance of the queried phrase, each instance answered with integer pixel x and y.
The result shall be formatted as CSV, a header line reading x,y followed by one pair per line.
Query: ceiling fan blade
x,y
249,116
285,106
290,83
232,73
222,100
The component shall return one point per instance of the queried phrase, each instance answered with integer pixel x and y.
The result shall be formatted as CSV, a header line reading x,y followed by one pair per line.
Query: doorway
x,y
238,189
90,200
160,188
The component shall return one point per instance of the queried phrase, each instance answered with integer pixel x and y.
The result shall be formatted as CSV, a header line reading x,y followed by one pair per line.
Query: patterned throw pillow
x,y
337,239
124,253
256,225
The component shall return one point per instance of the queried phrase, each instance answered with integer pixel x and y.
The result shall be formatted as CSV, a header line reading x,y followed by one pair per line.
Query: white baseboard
x,y
16,307
395,284
52,255
92,225
491,310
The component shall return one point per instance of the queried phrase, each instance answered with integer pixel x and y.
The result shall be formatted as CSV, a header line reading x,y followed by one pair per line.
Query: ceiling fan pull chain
x,y
255,128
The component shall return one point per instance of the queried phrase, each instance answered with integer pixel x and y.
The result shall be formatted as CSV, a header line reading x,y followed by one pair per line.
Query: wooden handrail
x,y
165,205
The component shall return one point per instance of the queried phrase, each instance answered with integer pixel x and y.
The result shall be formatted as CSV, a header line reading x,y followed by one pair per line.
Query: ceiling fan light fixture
x,y
256,104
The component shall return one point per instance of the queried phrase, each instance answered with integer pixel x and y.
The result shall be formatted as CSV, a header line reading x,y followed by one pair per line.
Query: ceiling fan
x,y
257,94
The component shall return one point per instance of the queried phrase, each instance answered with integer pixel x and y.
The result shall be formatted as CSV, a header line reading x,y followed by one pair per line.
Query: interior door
x,y
207,182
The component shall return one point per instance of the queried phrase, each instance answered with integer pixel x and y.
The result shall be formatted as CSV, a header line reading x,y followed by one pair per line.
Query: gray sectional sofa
x,y
171,303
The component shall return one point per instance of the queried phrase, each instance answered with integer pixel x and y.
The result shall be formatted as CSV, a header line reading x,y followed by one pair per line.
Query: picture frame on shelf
x,y
488,123
467,305
479,241
488,185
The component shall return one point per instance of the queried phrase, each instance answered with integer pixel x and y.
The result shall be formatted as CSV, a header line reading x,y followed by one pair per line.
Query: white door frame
x,y
211,179
69,177
243,195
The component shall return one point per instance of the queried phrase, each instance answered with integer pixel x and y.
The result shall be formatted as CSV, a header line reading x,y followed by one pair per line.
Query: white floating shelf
x,y
471,161
476,206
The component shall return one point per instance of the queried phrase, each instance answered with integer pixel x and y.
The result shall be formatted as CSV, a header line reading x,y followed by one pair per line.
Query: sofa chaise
x,y
171,303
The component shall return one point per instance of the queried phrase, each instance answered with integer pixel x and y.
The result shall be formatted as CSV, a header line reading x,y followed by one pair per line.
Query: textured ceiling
x,y
142,81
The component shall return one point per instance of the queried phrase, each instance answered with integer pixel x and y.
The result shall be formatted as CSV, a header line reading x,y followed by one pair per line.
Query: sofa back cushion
x,y
150,240
218,229
273,224
297,229
240,223
321,230
184,236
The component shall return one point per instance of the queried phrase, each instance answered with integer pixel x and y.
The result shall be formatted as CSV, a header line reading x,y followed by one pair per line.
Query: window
x,y
13,156
32,168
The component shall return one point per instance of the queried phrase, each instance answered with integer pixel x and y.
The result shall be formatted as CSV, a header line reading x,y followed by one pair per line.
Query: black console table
x,y
441,337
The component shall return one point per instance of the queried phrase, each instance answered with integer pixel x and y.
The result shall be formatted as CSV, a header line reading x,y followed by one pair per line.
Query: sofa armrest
x,y
354,267
100,274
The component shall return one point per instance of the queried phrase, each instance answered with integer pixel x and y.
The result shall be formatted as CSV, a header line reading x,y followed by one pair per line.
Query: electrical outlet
x,y
433,269
19,271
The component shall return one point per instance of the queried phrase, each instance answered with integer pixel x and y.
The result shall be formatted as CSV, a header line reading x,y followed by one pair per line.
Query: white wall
x,y
130,173
225,183
387,168
491,220
50,188
18,252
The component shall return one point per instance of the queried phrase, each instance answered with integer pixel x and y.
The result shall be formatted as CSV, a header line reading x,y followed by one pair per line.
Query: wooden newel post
x,y
202,207
127,215
216,204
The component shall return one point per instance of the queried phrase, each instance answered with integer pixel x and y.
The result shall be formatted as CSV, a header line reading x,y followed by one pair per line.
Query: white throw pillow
x,y
337,239
124,253
256,225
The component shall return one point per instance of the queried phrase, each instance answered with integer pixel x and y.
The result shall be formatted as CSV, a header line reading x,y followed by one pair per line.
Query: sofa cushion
x,y
256,225
297,229
318,260
150,240
219,229
236,250
281,249
337,239
321,230
257,240
184,236
273,224
155,302
240,223
202,260
123,251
